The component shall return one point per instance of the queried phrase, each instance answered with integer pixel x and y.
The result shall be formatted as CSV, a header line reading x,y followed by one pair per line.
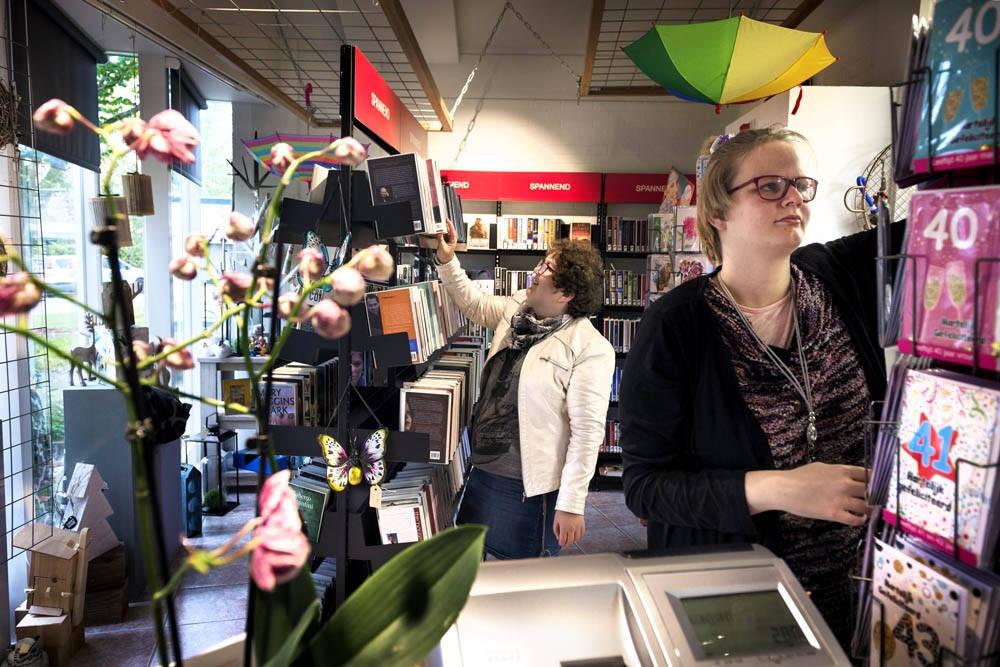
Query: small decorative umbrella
x,y
260,149
729,61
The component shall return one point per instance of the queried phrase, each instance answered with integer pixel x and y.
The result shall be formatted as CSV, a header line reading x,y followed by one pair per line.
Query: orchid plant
x,y
379,622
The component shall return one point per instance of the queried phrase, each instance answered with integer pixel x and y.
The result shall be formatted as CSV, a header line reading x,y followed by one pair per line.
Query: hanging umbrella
x,y
729,61
260,149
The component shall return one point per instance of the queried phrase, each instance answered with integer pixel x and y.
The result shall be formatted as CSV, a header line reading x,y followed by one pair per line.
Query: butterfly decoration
x,y
345,468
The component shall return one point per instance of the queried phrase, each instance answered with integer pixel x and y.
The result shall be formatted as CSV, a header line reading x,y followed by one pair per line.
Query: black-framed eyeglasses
x,y
774,188
544,268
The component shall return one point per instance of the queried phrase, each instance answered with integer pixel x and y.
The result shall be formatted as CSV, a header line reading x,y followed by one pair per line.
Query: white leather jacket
x,y
562,393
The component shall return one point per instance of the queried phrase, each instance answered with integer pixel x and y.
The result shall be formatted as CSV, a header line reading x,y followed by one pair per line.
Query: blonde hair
x,y
714,199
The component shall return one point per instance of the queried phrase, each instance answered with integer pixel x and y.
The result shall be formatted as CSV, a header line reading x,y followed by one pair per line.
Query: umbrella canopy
x,y
260,149
729,61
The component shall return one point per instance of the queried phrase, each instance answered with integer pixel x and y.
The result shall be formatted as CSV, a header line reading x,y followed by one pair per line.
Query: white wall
x,y
532,121
871,38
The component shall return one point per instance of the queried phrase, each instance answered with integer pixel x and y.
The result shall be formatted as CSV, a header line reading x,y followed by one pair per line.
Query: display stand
x,y
983,175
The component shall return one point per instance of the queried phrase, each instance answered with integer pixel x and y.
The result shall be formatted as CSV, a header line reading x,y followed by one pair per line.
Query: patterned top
x,y
822,554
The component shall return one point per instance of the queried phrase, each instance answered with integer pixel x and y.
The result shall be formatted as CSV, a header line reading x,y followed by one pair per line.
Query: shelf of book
x,y
636,308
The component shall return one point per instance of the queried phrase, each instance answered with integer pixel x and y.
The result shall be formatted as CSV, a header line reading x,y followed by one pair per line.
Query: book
x,y
956,130
239,391
403,178
427,410
944,418
579,231
437,200
286,407
950,232
313,498
478,230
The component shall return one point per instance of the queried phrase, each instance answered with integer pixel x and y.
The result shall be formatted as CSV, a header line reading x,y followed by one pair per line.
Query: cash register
x,y
741,606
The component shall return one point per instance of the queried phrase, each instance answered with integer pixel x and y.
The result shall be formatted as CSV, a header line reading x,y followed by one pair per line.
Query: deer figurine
x,y
88,355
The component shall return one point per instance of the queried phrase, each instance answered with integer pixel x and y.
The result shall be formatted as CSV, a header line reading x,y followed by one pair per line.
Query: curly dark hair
x,y
579,271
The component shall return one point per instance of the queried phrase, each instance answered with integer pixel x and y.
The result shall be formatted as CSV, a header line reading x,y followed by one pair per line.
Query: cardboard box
x,y
106,606
59,638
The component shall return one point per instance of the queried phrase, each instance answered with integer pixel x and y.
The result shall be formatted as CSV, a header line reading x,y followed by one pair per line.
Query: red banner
x,y
474,185
634,188
375,104
550,186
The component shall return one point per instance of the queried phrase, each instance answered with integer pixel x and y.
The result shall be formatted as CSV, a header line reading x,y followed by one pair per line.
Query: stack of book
x,y
418,503
625,288
424,312
612,438
409,178
509,281
627,235
620,332
526,232
303,395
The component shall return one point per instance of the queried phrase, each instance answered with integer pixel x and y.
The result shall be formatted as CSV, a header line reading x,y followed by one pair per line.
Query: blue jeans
x,y
519,527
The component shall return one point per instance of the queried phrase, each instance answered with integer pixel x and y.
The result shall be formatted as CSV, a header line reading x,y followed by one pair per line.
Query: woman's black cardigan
x,y
687,436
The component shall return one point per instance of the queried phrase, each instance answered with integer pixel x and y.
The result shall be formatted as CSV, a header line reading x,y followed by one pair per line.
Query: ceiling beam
x,y
626,91
593,34
394,13
799,14
276,93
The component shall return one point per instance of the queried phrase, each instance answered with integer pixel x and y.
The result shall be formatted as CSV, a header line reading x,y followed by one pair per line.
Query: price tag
x,y
375,496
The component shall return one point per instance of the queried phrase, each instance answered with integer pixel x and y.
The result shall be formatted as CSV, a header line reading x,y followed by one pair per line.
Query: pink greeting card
x,y
687,229
951,232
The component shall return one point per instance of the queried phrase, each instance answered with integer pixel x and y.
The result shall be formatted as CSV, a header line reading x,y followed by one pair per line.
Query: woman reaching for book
x,y
745,391
540,418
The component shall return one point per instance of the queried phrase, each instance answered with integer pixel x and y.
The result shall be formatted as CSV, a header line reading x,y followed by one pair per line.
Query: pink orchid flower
x,y
376,264
311,264
282,156
19,293
55,116
348,151
348,286
183,268
168,136
240,227
280,548
286,302
330,320
194,245
180,360
235,285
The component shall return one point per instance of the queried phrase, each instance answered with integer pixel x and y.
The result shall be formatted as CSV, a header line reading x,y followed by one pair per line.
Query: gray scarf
x,y
526,328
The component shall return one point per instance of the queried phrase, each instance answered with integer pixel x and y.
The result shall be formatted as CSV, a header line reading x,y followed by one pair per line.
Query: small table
x,y
217,438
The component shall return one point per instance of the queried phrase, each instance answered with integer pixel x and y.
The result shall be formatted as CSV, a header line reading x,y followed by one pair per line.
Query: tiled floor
x,y
212,607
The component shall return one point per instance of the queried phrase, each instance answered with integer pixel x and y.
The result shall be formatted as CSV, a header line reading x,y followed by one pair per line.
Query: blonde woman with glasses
x,y
744,394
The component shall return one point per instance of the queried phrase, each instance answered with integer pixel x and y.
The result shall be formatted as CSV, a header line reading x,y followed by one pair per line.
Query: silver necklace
x,y
803,388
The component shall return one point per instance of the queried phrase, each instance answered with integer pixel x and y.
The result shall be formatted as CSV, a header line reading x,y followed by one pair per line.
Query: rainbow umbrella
x,y
729,61
260,149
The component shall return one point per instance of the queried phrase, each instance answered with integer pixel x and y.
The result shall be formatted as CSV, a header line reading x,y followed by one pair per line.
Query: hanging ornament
x,y
138,193
102,207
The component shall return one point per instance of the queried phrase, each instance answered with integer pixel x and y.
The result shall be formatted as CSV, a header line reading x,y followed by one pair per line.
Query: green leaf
x,y
276,614
291,647
401,612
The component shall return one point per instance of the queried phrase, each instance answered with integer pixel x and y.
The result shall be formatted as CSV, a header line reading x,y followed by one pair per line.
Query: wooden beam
x,y
393,11
628,91
593,34
800,13
279,95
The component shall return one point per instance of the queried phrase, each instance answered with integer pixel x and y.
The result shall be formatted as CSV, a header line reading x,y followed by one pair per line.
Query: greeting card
x,y
956,128
917,612
687,267
952,233
946,418
687,229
